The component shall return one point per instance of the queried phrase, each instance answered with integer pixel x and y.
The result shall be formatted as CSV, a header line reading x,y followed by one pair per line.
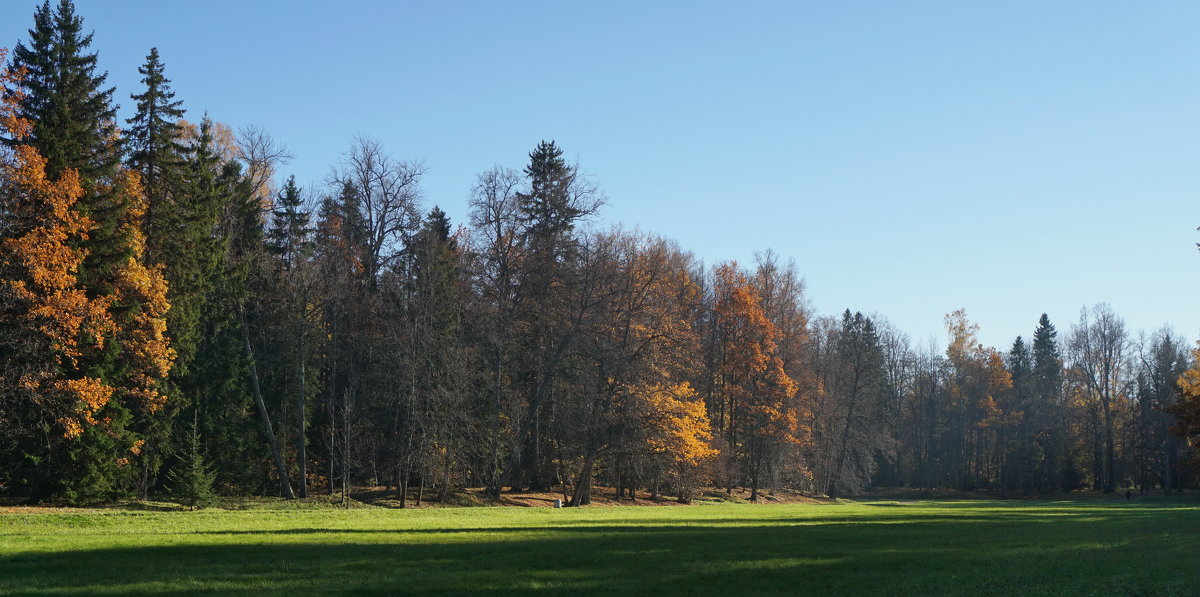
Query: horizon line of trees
x,y
172,320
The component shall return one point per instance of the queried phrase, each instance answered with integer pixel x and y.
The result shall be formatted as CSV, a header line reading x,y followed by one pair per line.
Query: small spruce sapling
x,y
192,482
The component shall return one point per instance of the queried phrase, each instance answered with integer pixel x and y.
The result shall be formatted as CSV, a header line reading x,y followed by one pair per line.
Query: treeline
x,y
169,318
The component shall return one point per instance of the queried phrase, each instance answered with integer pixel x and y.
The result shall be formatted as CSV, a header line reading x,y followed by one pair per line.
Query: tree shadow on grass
x,y
708,525
1119,553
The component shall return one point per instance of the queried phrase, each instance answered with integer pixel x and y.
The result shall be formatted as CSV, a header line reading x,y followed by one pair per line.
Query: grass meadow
x,y
969,547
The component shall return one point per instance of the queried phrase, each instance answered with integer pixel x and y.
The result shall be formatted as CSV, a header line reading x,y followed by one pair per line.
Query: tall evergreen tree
x,y
1156,452
547,322
74,127
72,119
154,149
1020,460
547,210
436,352
47,320
288,313
1045,410
175,235
202,215
65,98
187,242
290,232
856,404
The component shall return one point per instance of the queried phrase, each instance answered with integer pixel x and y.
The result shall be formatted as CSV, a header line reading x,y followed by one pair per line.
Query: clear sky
x,y
913,158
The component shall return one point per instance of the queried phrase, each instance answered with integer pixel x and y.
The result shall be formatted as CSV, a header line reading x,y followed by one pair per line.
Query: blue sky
x,y
1009,158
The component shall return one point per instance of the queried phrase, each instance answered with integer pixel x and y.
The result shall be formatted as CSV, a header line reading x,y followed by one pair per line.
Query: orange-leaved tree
x,y
139,370
978,381
81,363
48,322
757,403
677,432
1187,409
140,298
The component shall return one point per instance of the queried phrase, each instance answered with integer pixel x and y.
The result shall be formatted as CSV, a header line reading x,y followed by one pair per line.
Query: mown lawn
x,y
918,548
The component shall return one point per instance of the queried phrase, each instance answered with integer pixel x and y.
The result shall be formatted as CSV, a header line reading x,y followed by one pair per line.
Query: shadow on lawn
x,y
1047,514
1125,551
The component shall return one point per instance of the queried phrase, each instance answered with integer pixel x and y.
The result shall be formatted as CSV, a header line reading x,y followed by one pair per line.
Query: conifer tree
x,y
192,482
48,323
65,98
217,255
547,210
856,399
289,235
435,351
1021,457
191,199
73,120
555,202
155,151
1045,406
289,311
130,353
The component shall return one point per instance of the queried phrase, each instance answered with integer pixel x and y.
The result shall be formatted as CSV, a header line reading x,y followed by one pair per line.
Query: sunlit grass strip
x,y
960,547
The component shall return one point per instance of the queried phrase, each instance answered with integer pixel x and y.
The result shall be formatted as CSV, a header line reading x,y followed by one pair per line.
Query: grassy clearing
x,y
884,547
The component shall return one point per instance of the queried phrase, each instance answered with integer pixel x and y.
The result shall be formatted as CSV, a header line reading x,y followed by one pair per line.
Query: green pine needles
x,y
192,482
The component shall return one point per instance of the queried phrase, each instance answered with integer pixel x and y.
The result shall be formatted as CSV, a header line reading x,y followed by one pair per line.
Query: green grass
x,y
921,548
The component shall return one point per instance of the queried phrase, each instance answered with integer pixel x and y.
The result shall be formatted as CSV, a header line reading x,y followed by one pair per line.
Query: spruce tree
x,y
187,243
436,351
287,310
1022,458
1045,408
71,110
72,119
192,481
217,219
154,150
547,210
74,127
290,232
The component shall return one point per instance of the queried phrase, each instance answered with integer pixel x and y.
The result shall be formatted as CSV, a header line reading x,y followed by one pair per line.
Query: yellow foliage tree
x,y
141,294
48,323
1187,409
757,403
677,431
75,355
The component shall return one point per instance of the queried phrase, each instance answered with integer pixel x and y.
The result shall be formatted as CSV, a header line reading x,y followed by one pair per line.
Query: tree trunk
x,y
583,488
404,488
144,484
329,404
420,488
346,446
301,456
445,491
285,486
1110,459
495,475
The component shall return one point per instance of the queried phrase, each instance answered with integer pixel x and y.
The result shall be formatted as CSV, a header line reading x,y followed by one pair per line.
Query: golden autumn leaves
x,y
1187,410
760,396
53,323
679,425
